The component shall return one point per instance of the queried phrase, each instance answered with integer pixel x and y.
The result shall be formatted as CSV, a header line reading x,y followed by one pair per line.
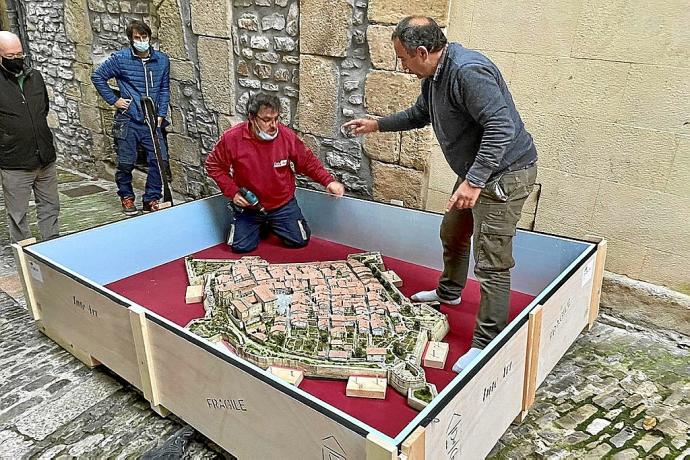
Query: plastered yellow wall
x,y
604,87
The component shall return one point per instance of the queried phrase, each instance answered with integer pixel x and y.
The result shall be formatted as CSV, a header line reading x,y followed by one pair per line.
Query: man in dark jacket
x,y
482,136
139,71
27,153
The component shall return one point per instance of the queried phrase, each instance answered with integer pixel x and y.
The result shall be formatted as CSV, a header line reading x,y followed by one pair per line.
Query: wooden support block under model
x,y
366,387
291,376
195,294
436,354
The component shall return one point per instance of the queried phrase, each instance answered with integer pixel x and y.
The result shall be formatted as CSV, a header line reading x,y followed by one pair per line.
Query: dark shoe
x,y
128,206
151,206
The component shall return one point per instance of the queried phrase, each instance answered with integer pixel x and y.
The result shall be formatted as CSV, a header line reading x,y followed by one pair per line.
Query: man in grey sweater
x,y
482,136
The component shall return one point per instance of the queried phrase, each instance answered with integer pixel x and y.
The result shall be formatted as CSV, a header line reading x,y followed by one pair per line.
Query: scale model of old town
x,y
343,319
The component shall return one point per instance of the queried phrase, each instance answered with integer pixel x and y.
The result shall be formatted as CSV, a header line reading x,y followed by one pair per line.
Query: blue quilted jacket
x,y
135,78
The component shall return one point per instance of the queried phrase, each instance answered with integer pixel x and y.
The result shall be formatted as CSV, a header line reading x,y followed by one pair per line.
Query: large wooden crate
x,y
251,413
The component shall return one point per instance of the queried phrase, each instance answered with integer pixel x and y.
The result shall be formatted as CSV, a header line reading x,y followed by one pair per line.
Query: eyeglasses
x,y
14,56
269,119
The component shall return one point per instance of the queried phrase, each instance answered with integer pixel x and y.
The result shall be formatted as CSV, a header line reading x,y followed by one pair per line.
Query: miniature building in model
x,y
266,298
328,319
376,354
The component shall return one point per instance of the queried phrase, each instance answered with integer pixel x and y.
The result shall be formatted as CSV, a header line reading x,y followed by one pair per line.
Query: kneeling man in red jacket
x,y
260,155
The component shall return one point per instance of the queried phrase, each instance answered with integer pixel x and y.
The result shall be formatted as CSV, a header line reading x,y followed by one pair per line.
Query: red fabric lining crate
x,y
162,290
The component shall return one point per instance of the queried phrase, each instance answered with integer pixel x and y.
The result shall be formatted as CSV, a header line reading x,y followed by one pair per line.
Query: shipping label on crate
x,y
588,273
35,271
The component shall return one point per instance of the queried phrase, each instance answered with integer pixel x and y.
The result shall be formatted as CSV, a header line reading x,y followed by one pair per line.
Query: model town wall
x,y
347,317
328,62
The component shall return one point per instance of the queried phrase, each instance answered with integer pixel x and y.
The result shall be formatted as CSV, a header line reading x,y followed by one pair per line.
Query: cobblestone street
x,y
622,390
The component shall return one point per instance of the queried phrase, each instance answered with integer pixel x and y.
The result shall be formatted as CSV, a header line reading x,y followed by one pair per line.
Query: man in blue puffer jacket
x,y
139,71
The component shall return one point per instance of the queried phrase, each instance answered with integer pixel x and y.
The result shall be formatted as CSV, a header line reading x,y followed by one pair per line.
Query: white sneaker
x,y
466,359
431,296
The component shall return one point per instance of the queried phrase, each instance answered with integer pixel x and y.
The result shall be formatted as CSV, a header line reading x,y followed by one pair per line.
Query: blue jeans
x,y
287,222
128,135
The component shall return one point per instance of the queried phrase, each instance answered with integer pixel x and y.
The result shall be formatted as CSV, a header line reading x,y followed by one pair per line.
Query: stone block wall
x,y
55,55
267,52
605,90
398,162
109,18
68,40
326,69
196,36
8,16
220,51
333,63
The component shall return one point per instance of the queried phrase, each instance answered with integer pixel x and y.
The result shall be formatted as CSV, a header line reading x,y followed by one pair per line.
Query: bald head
x,y
9,44
416,31
420,21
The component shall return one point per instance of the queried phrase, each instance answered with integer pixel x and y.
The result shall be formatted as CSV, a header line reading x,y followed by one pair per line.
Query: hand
x,y
362,126
160,121
464,197
239,200
336,188
122,104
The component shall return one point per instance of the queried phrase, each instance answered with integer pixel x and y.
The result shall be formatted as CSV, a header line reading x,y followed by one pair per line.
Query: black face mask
x,y
13,66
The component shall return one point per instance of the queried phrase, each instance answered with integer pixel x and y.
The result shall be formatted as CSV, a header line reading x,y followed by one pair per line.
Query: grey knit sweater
x,y
473,115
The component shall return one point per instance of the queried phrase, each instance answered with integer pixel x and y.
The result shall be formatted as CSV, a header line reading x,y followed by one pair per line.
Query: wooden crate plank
x,y
25,278
532,359
77,352
598,281
474,420
247,416
378,449
143,349
413,446
565,314
86,319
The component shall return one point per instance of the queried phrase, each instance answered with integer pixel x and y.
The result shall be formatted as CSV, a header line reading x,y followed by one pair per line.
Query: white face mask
x,y
142,47
263,135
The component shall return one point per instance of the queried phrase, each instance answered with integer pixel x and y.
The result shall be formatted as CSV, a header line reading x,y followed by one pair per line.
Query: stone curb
x,y
647,304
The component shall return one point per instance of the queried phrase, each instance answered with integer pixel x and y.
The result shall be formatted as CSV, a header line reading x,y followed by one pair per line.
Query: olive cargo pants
x,y
491,225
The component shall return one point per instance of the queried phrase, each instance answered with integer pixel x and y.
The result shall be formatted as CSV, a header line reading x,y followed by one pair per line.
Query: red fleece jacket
x,y
239,159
